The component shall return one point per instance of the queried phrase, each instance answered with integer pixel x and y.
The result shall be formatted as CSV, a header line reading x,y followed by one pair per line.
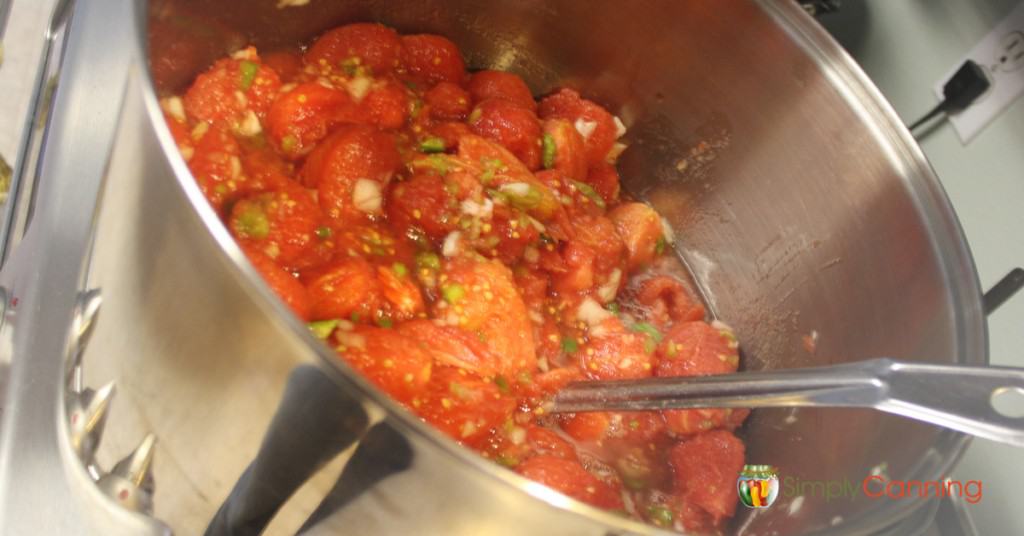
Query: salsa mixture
x,y
467,249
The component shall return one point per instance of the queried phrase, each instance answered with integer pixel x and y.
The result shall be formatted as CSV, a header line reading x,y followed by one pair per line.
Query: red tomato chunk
x,y
466,248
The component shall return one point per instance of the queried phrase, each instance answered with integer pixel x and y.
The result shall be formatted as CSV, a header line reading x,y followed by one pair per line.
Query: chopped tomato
x,y
592,119
386,105
453,346
284,284
485,85
639,226
286,63
232,88
480,297
697,349
282,224
706,468
504,173
514,127
463,405
604,179
667,301
433,58
422,203
350,170
563,150
570,478
448,102
615,353
683,422
300,118
387,358
400,290
348,289
363,44
215,163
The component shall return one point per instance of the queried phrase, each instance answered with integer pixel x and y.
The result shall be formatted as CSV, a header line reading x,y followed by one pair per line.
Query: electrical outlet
x,y
1001,54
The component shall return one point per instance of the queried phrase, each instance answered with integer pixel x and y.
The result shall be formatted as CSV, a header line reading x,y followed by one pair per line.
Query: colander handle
x,y
982,401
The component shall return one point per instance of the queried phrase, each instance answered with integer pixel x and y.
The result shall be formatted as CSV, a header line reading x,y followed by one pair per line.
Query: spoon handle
x,y
957,397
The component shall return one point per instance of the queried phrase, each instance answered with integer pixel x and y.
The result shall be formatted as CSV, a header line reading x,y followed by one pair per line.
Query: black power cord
x,y
967,84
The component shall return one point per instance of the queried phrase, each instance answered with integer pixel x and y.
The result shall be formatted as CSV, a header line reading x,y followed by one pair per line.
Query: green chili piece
x,y
248,70
569,345
453,292
323,328
432,144
323,232
399,269
548,157
252,222
590,193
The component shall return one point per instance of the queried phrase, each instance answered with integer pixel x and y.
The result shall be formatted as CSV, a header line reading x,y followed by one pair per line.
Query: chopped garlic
x,y
585,128
592,313
517,435
358,87
451,244
366,196
250,126
174,108
667,232
620,128
518,189
608,290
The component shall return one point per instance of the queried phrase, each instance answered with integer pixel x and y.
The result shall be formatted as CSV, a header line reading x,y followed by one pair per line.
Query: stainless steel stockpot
x,y
810,220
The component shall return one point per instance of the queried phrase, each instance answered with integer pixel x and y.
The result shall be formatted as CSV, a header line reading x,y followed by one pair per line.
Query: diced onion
x,y
608,290
584,127
615,151
517,435
667,232
592,313
247,53
345,325
174,108
250,126
236,167
531,254
518,189
351,340
480,210
366,196
451,244
620,128
358,87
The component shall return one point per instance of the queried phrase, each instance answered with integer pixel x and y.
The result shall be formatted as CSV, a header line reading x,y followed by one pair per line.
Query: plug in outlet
x,y
1012,58
1001,54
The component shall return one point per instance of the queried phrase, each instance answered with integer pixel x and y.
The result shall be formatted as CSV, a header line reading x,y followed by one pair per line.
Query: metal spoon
x,y
957,397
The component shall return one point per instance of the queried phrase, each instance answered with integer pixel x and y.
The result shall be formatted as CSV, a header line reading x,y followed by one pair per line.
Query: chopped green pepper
x,y
653,335
385,322
502,383
399,269
428,260
248,70
432,144
289,143
659,515
590,193
323,328
453,292
548,155
323,232
569,345
659,248
252,223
